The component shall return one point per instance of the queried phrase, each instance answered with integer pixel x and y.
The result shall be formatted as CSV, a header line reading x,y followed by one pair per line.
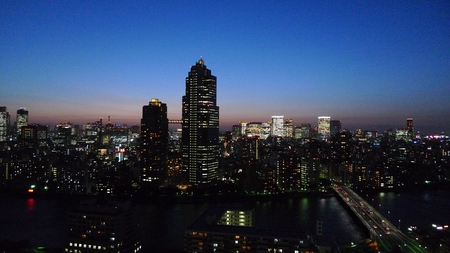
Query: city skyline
x,y
369,65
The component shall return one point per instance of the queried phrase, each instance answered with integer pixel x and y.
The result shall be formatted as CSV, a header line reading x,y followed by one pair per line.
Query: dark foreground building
x,y
232,230
110,226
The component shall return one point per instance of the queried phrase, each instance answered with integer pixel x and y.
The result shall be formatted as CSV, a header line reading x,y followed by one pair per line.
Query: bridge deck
x,y
381,230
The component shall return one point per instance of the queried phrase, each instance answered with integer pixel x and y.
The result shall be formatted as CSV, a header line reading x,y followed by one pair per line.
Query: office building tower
x,y
277,126
21,119
335,127
4,123
34,136
410,127
104,227
288,128
254,129
303,131
323,129
200,134
155,138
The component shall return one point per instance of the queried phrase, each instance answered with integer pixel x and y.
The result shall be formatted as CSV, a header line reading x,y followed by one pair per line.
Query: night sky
x,y
370,64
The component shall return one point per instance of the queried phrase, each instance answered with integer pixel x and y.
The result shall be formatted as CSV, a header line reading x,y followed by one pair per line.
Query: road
x,y
388,237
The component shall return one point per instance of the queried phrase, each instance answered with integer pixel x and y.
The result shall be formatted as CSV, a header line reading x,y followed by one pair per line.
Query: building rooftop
x,y
208,221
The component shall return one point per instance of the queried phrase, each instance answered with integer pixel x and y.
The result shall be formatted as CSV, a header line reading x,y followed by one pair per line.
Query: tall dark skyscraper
x,y
410,127
155,134
200,136
335,127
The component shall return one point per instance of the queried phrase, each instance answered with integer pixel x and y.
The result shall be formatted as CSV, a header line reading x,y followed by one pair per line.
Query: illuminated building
x,y
290,174
21,119
238,217
402,134
247,148
254,129
33,136
277,126
323,129
4,123
103,227
242,129
232,230
200,135
155,138
303,131
288,128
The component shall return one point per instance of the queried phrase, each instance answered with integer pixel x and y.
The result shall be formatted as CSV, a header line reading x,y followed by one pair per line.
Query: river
x,y
44,221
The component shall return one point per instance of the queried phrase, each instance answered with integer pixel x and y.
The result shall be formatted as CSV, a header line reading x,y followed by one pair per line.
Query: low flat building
x,y
211,233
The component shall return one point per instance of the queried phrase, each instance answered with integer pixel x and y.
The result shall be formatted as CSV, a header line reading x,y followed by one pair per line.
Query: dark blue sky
x,y
370,64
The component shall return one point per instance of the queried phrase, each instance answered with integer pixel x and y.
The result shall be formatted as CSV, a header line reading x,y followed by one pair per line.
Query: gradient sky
x,y
370,64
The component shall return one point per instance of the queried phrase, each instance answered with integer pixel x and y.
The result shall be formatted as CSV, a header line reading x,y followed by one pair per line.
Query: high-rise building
x,y
288,128
155,138
200,135
335,127
277,128
410,127
323,129
4,123
21,119
303,131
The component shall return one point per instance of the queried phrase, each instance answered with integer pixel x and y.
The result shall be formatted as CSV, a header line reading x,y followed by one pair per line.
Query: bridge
x,y
388,237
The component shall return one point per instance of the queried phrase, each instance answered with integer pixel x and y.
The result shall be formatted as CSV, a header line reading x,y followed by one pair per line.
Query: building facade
x,y
155,138
323,129
200,134
21,119
233,230
4,123
288,128
335,127
303,131
277,128
103,227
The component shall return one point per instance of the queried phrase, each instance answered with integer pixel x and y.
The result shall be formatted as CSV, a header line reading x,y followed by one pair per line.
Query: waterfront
x,y
44,222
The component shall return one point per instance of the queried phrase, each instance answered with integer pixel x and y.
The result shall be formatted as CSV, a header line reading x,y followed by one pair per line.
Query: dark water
x,y
44,222
420,209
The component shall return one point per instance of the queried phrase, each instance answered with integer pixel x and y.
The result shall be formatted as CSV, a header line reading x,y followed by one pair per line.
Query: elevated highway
x,y
388,237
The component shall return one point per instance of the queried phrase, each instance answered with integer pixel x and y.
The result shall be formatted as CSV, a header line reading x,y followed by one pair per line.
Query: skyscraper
x,y
323,129
21,119
410,127
200,135
4,123
335,127
277,126
155,137
288,128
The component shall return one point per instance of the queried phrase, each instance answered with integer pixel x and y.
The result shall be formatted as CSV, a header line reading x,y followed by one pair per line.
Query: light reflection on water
x,y
44,222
